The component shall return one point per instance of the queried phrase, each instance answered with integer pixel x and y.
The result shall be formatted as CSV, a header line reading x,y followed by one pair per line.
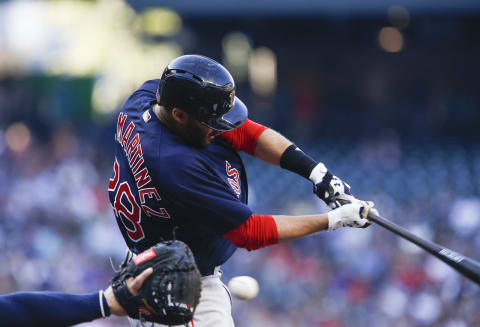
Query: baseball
x,y
243,287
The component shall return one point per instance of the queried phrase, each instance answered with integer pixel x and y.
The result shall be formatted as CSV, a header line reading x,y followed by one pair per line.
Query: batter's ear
x,y
179,115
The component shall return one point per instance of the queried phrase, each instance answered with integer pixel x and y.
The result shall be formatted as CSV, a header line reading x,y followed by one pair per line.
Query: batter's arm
x,y
259,231
270,146
350,215
274,148
290,228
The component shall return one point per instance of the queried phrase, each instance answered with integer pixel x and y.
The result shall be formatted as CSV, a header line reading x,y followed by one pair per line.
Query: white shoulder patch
x,y
146,116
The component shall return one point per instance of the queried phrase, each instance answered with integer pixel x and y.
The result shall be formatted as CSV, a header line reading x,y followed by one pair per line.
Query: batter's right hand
x,y
350,215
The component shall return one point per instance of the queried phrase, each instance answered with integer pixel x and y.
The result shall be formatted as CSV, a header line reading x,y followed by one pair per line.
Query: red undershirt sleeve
x,y
257,232
245,137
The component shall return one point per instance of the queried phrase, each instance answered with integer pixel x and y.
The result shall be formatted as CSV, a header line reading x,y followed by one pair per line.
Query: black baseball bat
x,y
466,266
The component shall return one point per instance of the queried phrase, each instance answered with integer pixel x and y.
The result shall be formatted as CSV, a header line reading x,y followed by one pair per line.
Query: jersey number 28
x,y
126,207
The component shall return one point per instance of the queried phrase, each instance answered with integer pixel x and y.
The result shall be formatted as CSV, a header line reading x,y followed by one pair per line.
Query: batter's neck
x,y
162,115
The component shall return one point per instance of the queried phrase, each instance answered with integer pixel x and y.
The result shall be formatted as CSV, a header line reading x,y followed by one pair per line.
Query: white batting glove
x,y
343,199
350,215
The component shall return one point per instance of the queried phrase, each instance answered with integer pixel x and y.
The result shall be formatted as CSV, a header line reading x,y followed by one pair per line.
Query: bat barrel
x,y
466,266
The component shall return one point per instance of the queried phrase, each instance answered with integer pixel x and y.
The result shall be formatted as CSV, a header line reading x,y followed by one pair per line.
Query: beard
x,y
197,134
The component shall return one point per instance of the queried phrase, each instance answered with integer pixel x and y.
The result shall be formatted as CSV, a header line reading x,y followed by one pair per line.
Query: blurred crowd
x,y
401,129
370,277
57,232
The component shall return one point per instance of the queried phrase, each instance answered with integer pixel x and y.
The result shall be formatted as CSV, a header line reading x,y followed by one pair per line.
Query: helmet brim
x,y
231,120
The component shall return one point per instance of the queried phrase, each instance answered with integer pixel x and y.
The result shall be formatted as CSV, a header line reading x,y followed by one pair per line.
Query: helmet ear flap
x,y
202,112
203,88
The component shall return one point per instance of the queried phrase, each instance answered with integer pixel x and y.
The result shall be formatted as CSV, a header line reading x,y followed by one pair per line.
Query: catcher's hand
x,y
133,284
170,294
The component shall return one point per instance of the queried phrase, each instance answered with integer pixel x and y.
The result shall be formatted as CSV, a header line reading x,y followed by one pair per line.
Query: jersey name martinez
x,y
133,151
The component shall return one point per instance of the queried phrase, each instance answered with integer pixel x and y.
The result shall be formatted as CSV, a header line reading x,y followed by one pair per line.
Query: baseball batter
x,y
176,164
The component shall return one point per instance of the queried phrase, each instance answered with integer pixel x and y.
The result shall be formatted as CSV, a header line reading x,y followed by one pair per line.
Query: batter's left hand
x,y
333,191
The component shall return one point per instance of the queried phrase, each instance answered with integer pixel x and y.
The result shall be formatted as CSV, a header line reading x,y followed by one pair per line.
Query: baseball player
x,y
177,164
161,284
62,309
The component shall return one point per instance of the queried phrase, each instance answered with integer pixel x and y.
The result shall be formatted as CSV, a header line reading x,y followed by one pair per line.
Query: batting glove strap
x,y
318,173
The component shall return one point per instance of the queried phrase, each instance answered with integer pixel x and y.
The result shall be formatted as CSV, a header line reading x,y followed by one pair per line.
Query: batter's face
x,y
197,133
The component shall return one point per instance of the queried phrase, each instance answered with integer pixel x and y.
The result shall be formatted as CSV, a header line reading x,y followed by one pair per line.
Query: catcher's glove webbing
x,y
170,294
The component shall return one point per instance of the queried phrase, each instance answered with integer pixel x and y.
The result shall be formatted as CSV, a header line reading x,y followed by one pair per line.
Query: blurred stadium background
x,y
386,93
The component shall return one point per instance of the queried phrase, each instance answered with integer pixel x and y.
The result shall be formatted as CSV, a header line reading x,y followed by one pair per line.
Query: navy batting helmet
x,y
203,88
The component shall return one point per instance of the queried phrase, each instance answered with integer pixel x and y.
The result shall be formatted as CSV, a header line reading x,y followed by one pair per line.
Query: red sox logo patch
x,y
233,177
146,116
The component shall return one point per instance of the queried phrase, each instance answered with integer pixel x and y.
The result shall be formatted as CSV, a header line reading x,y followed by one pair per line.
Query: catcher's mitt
x,y
170,294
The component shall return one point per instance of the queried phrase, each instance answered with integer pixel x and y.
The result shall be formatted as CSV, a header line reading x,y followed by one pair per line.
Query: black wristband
x,y
297,161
